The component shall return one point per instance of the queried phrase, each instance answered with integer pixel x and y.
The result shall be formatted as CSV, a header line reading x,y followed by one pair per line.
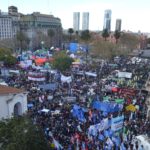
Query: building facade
x,y
85,21
107,20
30,24
37,23
13,102
9,23
118,24
76,21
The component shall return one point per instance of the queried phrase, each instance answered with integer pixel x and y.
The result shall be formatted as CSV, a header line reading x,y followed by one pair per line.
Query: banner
x,y
107,106
35,76
127,91
117,123
103,125
50,86
66,79
125,75
36,79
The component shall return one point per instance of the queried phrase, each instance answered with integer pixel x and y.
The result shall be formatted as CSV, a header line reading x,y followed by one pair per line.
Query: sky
x,y
134,13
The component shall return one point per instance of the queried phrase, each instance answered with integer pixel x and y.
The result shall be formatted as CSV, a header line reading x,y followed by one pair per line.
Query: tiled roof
x,y
9,90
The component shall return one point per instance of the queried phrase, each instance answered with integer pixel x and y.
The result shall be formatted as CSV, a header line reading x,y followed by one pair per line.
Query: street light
x,y
42,43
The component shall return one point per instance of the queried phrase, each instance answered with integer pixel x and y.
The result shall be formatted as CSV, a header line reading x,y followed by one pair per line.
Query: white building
x,y
76,21
107,20
5,26
13,101
85,21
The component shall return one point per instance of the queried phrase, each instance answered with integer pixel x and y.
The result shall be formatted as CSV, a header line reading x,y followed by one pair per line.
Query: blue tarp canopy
x,y
78,112
107,106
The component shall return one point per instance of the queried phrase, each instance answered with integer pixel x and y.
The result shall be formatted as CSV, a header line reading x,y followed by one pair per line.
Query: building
x,y
36,24
85,21
76,21
107,20
118,25
6,30
13,101
9,23
30,24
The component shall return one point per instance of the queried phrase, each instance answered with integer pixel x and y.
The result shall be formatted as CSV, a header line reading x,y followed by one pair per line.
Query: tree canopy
x,y
20,134
62,61
85,35
70,31
129,41
6,57
117,35
105,34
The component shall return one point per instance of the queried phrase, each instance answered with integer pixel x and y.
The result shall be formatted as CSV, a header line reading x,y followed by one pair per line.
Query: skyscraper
x,y
76,21
107,20
85,21
118,24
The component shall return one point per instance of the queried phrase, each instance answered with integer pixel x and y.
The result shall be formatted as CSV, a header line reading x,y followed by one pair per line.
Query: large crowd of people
x,y
100,108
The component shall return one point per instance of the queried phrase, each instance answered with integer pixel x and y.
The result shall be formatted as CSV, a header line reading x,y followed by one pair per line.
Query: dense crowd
x,y
67,114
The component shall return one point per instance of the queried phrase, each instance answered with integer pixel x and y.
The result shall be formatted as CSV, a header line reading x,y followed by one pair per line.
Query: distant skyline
x,y
133,13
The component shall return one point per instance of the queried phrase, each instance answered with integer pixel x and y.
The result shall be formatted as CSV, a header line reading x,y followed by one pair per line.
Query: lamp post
x,y
42,43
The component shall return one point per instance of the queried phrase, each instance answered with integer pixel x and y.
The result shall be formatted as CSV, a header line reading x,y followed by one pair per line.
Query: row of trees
x,y
21,40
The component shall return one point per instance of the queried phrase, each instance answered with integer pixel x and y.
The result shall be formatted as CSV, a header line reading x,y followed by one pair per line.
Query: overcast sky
x,y
134,13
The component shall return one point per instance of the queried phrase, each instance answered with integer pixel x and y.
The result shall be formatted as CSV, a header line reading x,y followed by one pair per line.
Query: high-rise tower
x,y
118,24
107,20
85,21
76,21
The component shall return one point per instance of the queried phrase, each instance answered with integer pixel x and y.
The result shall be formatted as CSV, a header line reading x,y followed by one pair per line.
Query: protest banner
x,y
117,123
127,91
125,75
35,76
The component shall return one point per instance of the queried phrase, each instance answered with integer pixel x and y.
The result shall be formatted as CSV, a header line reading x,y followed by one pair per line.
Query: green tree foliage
x,y
117,35
62,61
6,57
70,32
105,34
20,134
85,35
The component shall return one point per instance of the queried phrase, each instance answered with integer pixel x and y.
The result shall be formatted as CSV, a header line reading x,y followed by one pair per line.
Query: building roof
x,y
9,90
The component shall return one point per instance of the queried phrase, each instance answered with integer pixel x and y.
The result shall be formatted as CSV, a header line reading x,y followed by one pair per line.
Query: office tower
x,y
85,21
118,24
76,21
107,20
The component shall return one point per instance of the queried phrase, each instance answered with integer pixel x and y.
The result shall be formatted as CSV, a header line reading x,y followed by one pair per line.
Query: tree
x,y
6,57
22,38
20,134
62,61
85,35
105,34
117,35
129,41
51,34
70,31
